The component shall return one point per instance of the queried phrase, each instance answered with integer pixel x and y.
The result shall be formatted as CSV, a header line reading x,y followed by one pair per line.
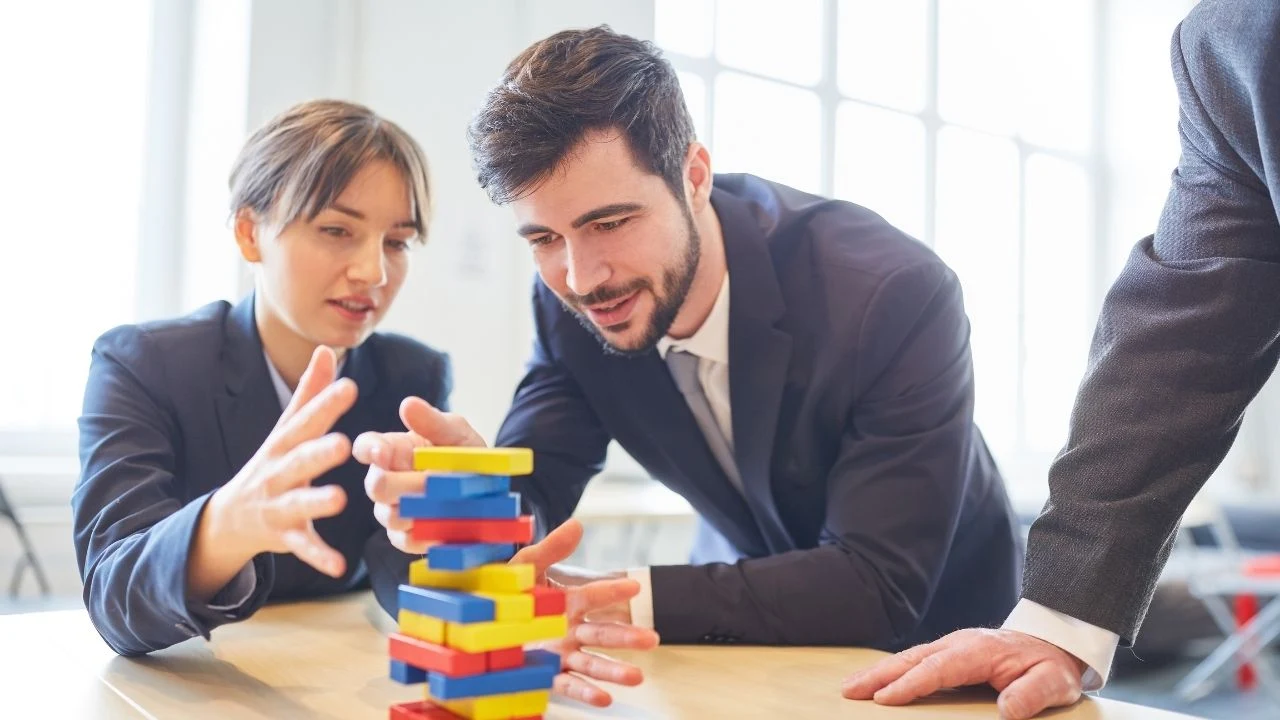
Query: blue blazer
x,y
873,514
172,411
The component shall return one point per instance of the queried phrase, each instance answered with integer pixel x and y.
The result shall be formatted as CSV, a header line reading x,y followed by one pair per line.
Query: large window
x,y
76,92
971,125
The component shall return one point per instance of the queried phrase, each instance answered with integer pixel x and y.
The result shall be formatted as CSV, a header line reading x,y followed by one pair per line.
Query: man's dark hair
x,y
567,85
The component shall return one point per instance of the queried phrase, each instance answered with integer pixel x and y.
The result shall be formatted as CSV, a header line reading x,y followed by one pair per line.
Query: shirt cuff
x,y
236,593
1091,644
642,603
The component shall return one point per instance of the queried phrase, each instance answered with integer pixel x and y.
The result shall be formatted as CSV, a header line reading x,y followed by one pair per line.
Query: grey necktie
x,y
684,369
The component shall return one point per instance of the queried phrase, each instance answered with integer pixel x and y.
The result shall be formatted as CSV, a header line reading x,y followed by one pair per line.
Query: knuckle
x,y
934,663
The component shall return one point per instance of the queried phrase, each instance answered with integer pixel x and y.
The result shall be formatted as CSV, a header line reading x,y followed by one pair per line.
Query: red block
x,y
505,659
434,658
519,530
421,710
547,601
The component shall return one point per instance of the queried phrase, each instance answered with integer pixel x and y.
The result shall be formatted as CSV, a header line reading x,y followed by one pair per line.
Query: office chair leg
x,y
1256,633
28,559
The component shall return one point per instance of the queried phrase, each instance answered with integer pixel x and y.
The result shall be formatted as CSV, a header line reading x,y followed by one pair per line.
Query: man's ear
x,y
697,176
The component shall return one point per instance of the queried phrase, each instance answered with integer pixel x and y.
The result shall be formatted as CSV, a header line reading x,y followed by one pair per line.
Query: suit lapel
x,y
758,357
643,385
248,407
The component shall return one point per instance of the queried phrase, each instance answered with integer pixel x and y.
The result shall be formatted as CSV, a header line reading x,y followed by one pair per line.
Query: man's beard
x,y
676,282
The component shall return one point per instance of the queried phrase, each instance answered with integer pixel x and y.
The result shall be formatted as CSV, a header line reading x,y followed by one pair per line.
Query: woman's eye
x,y
334,231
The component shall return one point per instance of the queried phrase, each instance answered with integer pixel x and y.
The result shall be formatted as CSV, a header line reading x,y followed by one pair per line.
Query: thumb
x,y
437,427
555,547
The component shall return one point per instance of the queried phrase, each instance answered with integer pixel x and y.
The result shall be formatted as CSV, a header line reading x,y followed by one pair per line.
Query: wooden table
x,y
328,660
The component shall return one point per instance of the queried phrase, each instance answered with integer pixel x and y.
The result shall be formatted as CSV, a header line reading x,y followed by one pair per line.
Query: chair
x,y
1218,576
28,557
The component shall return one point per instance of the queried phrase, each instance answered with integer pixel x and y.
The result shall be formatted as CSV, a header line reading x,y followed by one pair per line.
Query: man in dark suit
x,y
1187,337
795,367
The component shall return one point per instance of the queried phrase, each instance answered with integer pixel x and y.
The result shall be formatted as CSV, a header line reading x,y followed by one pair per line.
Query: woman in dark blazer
x,y
216,465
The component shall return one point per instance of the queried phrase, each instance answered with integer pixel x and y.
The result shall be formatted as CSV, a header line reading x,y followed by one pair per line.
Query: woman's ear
x,y
246,229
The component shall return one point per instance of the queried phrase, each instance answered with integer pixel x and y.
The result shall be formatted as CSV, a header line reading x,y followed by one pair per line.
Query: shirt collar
x,y
711,341
283,393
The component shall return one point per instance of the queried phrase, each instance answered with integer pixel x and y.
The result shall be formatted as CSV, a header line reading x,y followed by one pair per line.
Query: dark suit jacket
x,y
873,514
172,411
1186,338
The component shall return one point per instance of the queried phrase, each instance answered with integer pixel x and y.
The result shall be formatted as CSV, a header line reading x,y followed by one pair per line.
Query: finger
x,y
600,667
1047,684
865,683
953,667
305,504
314,418
389,451
406,544
556,547
614,635
320,372
437,427
387,487
620,613
388,516
575,688
597,595
308,461
312,550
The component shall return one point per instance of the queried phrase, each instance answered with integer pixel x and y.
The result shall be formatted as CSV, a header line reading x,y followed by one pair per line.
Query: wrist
x,y
221,528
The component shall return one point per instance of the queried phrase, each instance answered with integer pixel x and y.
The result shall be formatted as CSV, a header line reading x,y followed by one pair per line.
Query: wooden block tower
x,y
467,613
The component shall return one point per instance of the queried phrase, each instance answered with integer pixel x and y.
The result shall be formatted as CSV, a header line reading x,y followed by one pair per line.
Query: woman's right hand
x,y
270,505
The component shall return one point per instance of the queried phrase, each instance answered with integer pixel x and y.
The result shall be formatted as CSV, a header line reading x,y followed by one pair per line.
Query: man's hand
x,y
599,616
1030,674
390,460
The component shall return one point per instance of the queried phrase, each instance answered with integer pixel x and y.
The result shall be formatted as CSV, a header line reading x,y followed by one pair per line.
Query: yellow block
x,y
498,707
475,460
422,627
510,607
495,578
486,636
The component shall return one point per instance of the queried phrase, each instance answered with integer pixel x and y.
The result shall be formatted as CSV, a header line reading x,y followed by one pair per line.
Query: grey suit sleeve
x,y
1186,338
894,495
133,527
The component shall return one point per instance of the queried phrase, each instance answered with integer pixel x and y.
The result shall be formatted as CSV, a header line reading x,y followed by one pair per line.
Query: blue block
x,y
448,605
406,674
460,487
489,507
464,557
540,669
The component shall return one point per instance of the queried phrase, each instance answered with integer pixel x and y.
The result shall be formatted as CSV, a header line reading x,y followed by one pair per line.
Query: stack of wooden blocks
x,y
467,613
